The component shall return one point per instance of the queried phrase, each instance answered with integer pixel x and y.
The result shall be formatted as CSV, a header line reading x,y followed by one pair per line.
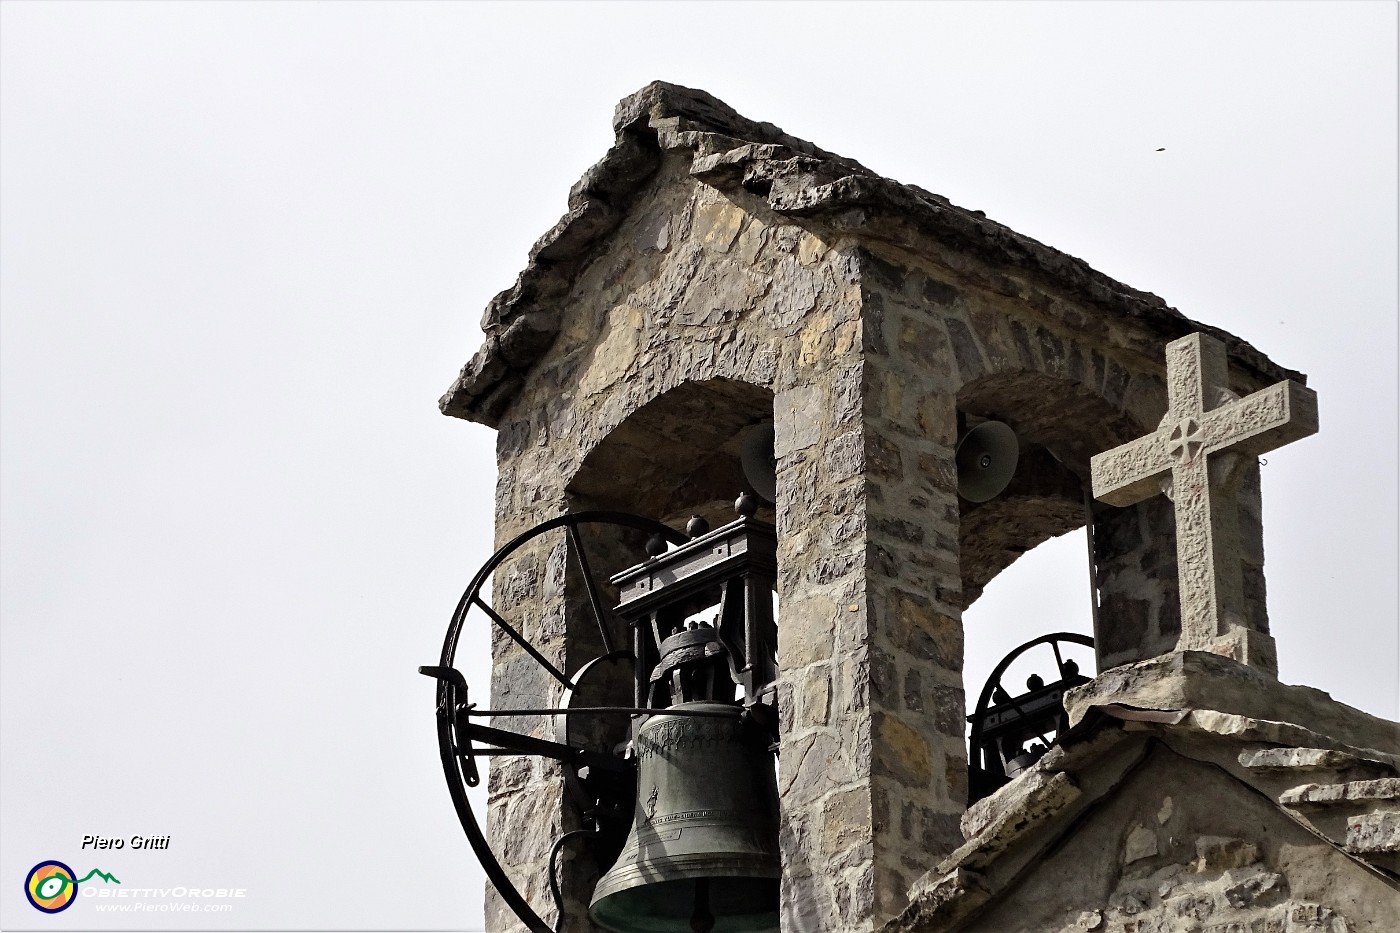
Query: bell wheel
x,y
467,733
1009,732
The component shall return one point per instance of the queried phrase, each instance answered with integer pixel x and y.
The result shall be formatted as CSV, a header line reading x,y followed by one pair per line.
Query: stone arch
x,y
1060,424
676,455
671,457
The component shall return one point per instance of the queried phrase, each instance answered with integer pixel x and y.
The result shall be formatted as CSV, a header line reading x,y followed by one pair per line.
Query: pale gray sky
x,y
245,247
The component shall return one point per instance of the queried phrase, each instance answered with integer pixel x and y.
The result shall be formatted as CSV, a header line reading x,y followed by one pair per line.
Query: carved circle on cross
x,y
1184,441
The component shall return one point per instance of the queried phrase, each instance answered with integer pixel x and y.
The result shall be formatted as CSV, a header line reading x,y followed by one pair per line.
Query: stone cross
x,y
1196,457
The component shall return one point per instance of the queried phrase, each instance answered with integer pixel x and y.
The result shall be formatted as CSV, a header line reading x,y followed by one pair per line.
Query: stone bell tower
x,y
713,272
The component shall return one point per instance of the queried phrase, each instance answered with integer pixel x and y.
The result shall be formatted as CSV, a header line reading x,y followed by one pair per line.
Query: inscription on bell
x,y
674,735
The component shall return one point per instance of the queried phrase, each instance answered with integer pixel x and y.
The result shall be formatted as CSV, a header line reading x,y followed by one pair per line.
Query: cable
x,y
554,876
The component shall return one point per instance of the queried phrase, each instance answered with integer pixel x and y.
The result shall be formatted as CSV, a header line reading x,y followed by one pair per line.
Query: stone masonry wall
x,y
961,338
1183,848
868,358
695,288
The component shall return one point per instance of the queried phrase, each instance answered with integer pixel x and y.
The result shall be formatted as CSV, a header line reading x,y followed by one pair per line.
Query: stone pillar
x,y
823,768
916,357
1135,561
872,771
525,809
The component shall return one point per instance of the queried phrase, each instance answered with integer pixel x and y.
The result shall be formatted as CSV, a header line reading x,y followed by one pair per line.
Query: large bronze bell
x,y
702,854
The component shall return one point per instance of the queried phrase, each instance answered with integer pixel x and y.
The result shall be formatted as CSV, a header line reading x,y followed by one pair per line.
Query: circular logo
x,y
50,887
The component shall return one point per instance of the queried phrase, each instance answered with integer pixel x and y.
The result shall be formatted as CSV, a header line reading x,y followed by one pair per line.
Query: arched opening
x,y
676,457
1059,425
1047,592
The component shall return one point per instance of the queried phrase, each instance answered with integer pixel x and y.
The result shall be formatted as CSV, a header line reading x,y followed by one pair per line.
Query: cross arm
x,y
1130,473
1263,421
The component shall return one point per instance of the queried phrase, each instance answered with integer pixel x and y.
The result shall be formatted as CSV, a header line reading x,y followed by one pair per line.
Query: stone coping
x,y
1104,745
1200,680
1353,791
797,179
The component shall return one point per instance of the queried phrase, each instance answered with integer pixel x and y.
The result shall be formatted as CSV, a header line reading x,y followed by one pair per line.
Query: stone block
x,y
816,766
1218,853
844,456
902,752
1200,680
1249,889
814,638
882,458
1383,789
845,819
940,901
1140,844
928,635
914,691
1017,808
1374,832
798,416
816,696
921,341
966,350
1310,759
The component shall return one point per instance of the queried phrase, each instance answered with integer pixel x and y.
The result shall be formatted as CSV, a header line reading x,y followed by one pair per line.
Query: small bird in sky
x,y
1163,149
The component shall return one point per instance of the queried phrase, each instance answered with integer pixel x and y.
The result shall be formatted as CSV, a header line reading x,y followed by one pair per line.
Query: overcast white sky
x,y
245,247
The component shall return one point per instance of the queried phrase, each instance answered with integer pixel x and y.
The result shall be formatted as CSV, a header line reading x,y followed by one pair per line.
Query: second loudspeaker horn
x,y
986,459
759,462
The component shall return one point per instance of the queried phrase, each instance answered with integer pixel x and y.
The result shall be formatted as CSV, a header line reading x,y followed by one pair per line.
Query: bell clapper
x,y
701,920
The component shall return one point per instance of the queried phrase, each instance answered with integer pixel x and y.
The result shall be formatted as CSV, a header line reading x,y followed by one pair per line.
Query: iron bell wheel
x,y
1034,713
461,734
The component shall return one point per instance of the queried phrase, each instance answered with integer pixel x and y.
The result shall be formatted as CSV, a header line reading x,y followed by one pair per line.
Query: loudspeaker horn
x,y
759,462
986,459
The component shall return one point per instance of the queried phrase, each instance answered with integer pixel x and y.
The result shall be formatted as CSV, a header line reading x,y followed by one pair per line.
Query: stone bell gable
x,y
1159,812
713,272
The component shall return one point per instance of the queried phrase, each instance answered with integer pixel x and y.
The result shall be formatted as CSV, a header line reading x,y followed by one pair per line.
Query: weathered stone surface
x,y
1197,680
713,272
1374,832
814,184
907,754
1326,794
1013,814
846,819
1221,858
939,904
1309,759
924,632
800,412
1196,451
1040,791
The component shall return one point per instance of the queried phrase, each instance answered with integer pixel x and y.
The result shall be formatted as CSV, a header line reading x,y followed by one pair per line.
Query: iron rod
x,y
519,640
577,541
1093,571
593,710
542,747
